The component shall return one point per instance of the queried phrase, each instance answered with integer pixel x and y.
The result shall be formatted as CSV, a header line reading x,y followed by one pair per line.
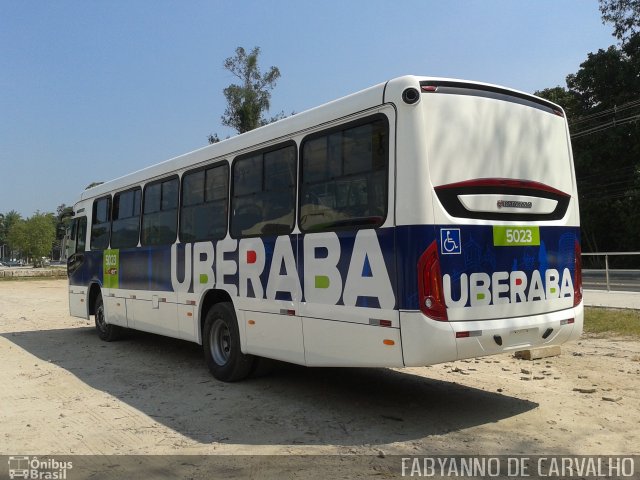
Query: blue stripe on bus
x,y
149,268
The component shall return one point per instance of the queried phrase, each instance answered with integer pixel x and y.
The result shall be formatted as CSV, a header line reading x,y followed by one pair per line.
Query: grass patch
x,y
618,322
30,279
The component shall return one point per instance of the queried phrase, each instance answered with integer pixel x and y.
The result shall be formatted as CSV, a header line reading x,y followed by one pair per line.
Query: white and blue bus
x,y
419,221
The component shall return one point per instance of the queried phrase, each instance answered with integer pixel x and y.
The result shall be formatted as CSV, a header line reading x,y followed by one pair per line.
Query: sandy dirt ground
x,y
63,391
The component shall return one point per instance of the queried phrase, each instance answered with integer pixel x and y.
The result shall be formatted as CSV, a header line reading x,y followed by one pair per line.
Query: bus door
x,y
78,304
263,218
269,297
152,306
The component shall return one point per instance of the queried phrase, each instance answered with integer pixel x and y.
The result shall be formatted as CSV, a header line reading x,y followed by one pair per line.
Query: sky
x,y
93,90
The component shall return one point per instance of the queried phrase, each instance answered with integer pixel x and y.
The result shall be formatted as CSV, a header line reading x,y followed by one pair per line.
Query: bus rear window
x,y
489,138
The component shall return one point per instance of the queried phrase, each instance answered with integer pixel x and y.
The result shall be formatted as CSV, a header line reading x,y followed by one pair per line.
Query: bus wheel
x,y
221,342
106,331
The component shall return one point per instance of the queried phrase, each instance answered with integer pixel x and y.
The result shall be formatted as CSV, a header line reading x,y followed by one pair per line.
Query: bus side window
x,y
264,192
160,212
125,228
203,212
101,223
345,177
70,241
81,235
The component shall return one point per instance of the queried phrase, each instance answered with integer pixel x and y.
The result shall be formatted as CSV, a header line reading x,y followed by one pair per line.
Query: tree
x,y
11,218
6,222
248,101
34,236
567,99
603,109
3,236
608,77
62,220
624,15
18,237
213,138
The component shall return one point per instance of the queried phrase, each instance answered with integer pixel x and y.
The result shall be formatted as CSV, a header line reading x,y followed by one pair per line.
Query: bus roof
x,y
274,132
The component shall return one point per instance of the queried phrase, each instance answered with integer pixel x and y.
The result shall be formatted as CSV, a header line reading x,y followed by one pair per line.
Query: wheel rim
x,y
220,341
100,321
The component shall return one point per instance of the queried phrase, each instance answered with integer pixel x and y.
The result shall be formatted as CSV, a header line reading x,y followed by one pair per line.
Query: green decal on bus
x,y
111,267
515,236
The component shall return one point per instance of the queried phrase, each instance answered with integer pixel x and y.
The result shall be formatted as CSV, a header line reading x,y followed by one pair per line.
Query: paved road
x,y
619,280
602,298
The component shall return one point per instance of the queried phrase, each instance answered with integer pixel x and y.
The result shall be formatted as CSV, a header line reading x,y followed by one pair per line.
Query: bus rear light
x,y
469,333
577,284
567,321
430,293
377,322
429,88
501,185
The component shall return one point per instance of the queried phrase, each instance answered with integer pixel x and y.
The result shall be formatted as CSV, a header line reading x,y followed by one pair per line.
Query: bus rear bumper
x,y
427,342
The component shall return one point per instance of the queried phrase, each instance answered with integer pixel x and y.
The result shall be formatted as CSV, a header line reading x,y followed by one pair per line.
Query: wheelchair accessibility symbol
x,y
450,241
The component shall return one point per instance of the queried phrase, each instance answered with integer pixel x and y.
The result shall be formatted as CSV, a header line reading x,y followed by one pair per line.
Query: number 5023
x,y
514,236
518,235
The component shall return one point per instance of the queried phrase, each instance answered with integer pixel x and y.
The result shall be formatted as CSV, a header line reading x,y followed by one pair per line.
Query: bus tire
x,y
106,331
221,343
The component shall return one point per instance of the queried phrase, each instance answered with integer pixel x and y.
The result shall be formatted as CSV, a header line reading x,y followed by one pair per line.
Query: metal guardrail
x,y
606,256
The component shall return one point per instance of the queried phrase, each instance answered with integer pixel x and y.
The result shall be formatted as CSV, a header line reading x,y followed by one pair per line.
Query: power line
x,y
622,171
604,192
610,190
629,192
613,109
599,123
616,175
605,126
610,184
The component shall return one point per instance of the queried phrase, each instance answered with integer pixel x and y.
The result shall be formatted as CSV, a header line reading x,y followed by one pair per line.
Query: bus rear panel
x,y
497,254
